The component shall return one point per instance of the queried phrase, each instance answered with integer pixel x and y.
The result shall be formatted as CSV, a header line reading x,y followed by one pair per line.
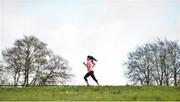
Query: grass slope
x,y
82,93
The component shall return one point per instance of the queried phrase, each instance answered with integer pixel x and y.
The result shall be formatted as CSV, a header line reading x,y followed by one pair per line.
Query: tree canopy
x,y
29,62
156,63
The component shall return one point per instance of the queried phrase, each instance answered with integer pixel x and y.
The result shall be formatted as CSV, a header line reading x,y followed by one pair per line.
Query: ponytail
x,y
92,58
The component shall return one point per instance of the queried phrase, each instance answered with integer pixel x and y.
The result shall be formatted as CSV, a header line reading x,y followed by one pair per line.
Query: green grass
x,y
83,93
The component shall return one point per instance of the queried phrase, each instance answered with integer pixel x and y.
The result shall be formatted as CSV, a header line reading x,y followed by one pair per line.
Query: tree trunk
x,y
175,77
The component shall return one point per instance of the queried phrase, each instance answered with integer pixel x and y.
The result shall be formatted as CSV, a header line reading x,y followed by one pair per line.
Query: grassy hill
x,y
83,93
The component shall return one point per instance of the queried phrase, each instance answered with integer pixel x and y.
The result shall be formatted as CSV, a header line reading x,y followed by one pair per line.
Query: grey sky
x,y
106,29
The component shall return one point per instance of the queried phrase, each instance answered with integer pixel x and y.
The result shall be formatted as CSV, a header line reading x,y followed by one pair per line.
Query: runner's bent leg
x,y
85,77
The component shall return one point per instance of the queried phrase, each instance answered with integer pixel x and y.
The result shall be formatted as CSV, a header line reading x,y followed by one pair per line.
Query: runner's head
x,y
91,58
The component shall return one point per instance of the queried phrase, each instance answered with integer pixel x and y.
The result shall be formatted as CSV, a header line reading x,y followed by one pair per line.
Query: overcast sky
x,y
106,29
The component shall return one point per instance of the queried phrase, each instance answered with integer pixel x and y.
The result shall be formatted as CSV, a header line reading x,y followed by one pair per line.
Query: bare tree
x,y
28,59
3,76
1,73
155,63
139,66
54,72
174,56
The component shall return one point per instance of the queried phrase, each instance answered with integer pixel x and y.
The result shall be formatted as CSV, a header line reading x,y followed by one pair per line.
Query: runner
x,y
90,64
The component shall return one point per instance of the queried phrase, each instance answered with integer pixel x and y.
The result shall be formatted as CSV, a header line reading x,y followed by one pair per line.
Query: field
x,y
93,93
